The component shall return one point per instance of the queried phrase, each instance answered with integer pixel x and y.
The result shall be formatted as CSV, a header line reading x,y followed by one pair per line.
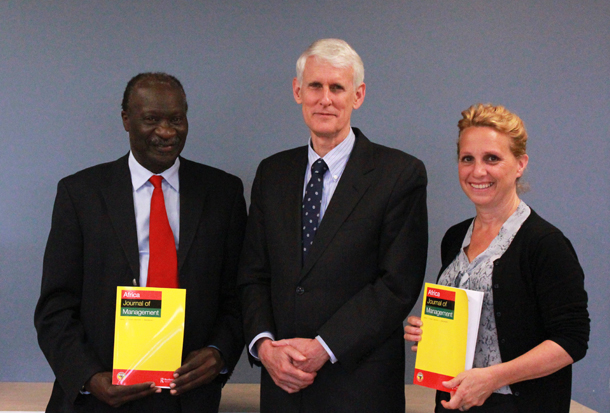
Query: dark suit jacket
x,y
361,278
93,248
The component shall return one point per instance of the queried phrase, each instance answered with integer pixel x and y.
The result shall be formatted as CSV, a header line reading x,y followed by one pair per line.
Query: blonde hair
x,y
502,120
498,118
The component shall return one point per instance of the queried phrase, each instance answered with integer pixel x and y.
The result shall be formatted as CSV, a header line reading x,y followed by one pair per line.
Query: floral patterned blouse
x,y
476,275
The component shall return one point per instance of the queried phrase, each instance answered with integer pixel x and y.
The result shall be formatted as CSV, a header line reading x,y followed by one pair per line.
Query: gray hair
x,y
335,52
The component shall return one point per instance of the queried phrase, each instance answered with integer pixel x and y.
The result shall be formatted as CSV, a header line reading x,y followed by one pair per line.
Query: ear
x,y
360,93
296,91
522,164
125,118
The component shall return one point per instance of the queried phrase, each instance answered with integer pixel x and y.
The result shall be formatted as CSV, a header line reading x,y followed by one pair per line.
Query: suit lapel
x,y
353,185
119,199
192,197
290,206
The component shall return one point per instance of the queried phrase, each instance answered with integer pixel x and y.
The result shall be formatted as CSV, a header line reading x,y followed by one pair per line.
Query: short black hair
x,y
152,77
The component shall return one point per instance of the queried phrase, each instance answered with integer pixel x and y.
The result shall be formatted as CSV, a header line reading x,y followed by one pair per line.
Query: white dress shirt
x,y
142,193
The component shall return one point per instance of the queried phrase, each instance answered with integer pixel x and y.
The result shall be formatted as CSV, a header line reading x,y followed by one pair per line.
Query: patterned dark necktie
x,y
311,204
163,260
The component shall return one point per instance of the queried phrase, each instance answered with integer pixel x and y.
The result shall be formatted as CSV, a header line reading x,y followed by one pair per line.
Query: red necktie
x,y
163,261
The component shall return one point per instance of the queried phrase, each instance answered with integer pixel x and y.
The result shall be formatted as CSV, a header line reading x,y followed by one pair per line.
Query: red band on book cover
x,y
127,377
432,380
441,294
140,295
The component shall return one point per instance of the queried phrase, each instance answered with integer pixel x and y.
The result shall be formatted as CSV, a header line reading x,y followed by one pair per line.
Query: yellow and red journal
x,y
148,335
450,319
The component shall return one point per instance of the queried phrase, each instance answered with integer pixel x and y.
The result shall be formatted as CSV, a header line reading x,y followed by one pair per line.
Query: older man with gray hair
x,y
335,253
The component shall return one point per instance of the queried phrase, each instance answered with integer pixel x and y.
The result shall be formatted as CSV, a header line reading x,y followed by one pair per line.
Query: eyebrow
x,y
335,85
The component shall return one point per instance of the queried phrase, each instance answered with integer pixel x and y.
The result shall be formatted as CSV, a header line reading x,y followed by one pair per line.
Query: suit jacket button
x,y
300,290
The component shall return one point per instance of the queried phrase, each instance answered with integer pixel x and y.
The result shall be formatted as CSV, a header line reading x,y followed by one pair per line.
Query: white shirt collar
x,y
141,175
337,158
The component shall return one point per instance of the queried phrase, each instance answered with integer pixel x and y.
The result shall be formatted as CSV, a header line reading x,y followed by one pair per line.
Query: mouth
x,y
323,114
165,146
164,150
481,186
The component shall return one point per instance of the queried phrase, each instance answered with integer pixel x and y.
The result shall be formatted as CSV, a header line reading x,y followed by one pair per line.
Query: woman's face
x,y
487,168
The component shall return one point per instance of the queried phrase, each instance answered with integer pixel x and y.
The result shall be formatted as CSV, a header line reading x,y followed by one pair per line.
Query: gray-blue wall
x,y
64,64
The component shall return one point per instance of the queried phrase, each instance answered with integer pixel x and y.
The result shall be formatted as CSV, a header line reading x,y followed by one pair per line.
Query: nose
x,y
326,100
165,131
479,169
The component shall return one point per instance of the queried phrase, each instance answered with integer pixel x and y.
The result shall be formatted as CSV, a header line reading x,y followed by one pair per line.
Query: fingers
x,y
292,384
456,398
200,367
413,332
282,343
197,358
292,379
454,403
449,406
119,395
310,355
301,344
289,346
289,378
414,321
278,362
315,355
453,383
469,388
294,354
100,385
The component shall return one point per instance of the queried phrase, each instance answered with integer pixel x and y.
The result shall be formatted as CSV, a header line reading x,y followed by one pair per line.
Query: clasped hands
x,y
293,363
200,367
469,388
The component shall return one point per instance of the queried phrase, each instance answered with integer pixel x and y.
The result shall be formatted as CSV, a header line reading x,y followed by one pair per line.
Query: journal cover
x,y
450,319
148,335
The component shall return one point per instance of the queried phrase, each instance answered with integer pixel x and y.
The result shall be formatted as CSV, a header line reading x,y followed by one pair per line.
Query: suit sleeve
x,y
61,335
254,272
228,329
377,311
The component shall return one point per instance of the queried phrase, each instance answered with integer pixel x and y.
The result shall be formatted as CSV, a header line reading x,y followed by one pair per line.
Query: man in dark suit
x,y
99,240
324,317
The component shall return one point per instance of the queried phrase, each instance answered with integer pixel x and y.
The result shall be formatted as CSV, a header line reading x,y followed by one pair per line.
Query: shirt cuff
x,y
333,359
252,347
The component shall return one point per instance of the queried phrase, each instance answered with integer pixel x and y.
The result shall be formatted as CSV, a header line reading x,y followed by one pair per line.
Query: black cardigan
x,y
538,292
